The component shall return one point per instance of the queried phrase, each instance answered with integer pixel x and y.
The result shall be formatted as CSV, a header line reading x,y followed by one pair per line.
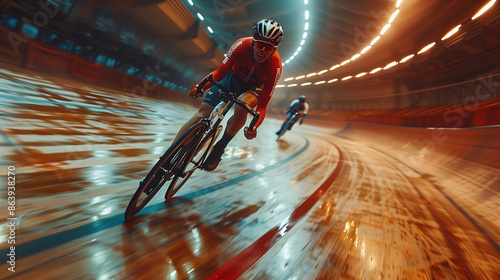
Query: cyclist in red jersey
x,y
252,68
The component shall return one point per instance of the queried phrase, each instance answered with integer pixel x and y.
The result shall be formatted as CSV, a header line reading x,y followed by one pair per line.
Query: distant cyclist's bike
x,y
287,126
187,153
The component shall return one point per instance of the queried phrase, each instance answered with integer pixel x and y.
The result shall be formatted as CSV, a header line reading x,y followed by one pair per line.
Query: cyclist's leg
x,y
234,124
297,117
203,112
212,98
238,119
250,95
289,114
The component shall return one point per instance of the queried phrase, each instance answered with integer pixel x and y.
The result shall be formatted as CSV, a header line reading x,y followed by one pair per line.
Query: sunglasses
x,y
263,44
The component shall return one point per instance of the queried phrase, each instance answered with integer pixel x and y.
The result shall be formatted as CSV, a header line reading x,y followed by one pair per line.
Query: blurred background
x,y
395,173
367,60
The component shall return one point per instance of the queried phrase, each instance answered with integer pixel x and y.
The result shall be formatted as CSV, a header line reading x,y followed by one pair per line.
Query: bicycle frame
x,y
172,165
222,108
288,123
213,122
216,117
293,118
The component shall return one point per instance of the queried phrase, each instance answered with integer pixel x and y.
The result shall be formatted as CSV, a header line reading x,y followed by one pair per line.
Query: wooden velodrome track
x,y
329,201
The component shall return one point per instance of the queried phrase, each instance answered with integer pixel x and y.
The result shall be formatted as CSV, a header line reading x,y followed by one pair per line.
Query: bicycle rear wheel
x,y
192,162
162,171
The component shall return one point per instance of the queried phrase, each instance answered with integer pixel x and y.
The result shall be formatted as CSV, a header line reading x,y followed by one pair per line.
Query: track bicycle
x,y
187,153
288,124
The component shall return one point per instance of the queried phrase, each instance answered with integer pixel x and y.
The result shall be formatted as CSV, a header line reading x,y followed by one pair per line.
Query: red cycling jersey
x,y
239,58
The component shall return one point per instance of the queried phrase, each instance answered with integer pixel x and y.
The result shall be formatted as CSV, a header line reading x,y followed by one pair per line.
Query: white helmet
x,y
268,30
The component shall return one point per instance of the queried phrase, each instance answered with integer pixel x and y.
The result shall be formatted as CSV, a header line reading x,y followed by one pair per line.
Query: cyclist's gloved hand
x,y
193,91
250,134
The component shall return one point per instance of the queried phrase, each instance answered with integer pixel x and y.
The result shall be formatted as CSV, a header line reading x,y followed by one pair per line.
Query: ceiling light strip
x,y
394,63
304,35
365,49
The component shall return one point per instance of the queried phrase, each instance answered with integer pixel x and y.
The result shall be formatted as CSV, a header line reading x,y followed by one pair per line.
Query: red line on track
x,y
235,267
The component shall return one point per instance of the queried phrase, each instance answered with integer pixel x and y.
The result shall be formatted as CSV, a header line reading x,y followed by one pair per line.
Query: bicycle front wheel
x,y
162,171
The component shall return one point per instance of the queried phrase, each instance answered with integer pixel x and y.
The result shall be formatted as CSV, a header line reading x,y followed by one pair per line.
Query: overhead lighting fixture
x,y
200,16
386,27
191,2
406,58
311,74
292,85
376,70
210,29
306,84
390,65
335,66
304,36
366,49
426,48
300,77
375,40
393,16
289,79
453,31
319,83
345,62
484,9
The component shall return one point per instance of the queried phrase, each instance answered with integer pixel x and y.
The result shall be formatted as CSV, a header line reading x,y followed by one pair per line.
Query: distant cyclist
x,y
252,68
300,106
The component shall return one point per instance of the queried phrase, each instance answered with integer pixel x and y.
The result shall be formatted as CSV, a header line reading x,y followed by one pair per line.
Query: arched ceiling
x,y
342,28
337,30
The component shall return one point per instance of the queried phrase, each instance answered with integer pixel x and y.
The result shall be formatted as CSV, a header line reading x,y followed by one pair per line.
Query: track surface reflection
x,y
342,201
